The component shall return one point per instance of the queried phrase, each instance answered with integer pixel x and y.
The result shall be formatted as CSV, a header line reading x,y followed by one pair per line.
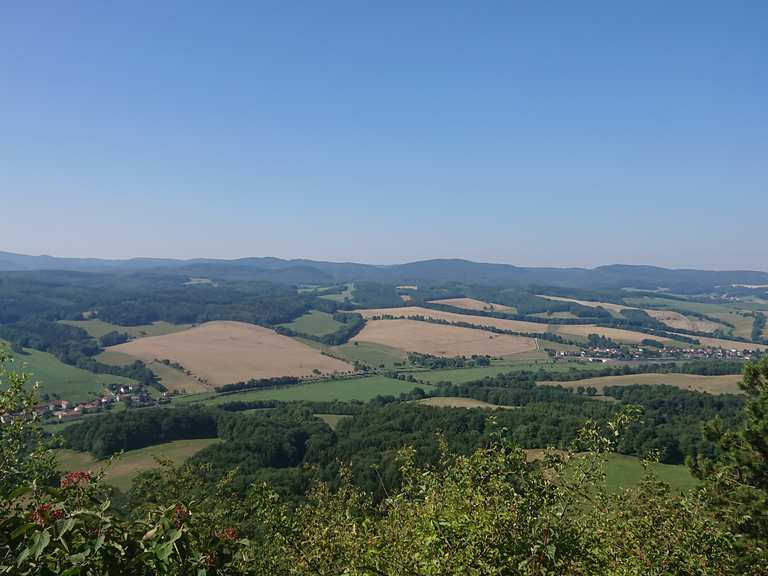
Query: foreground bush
x,y
487,513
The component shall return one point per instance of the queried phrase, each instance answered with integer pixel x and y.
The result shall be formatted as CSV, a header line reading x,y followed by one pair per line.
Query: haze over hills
x,y
436,270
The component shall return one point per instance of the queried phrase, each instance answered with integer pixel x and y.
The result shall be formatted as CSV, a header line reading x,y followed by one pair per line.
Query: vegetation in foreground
x,y
488,512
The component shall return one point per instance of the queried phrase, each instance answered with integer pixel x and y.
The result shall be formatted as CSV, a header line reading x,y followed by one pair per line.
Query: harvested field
x,y
458,402
472,304
729,344
617,334
727,384
682,322
442,340
514,325
614,309
742,325
223,352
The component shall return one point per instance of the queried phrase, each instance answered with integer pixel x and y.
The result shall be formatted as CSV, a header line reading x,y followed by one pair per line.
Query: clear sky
x,y
533,133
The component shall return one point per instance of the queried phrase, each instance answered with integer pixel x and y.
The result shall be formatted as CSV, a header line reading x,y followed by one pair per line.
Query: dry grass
x,y
472,304
442,340
682,322
727,384
407,311
223,352
458,402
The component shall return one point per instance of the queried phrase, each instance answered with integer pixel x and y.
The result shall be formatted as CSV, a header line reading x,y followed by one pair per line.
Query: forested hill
x,y
427,271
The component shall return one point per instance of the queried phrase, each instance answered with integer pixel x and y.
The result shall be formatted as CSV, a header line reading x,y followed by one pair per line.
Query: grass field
x,y
60,380
345,296
457,402
224,352
362,389
624,471
130,464
332,419
374,355
442,340
727,384
463,375
98,328
316,323
742,324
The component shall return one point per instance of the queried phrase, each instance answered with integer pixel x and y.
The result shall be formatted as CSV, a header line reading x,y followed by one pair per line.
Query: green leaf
x,y
163,552
66,526
23,555
21,530
39,542
20,491
71,571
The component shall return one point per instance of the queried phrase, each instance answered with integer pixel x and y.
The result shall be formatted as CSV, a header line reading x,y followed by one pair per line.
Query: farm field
x,y
442,340
224,352
457,402
742,324
614,309
727,384
473,304
170,378
362,389
345,296
60,380
131,463
514,325
315,322
682,322
625,471
374,355
729,344
463,375
97,328
662,303
617,334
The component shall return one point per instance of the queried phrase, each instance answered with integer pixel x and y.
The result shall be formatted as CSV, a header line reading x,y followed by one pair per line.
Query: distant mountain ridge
x,y
427,271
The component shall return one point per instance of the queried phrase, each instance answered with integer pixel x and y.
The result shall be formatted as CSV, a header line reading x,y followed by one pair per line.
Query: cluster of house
x,y
131,394
605,354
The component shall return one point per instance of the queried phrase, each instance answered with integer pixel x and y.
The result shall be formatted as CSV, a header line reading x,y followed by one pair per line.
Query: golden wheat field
x,y
223,352
409,311
442,340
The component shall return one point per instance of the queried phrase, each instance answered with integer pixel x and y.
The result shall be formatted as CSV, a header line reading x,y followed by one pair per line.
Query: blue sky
x,y
534,133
